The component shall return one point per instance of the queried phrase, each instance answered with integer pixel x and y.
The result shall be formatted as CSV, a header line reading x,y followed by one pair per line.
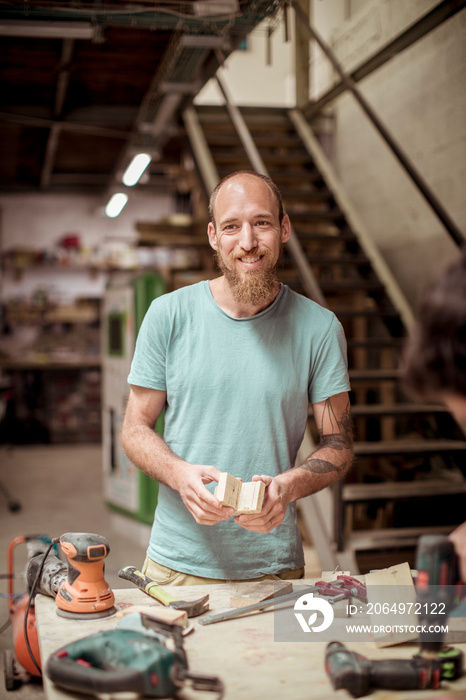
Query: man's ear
x,y
212,236
286,228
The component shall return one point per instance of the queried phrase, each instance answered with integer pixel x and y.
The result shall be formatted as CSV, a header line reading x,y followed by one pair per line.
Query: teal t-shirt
x,y
237,398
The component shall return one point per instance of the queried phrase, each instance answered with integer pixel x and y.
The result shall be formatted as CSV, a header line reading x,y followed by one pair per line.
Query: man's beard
x,y
253,287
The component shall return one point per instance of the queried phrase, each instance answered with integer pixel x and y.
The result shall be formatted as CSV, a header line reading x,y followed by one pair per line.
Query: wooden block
x,y
263,590
158,612
244,498
328,576
392,587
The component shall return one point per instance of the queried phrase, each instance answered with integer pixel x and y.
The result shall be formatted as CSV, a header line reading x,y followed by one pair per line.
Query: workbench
x,y
242,652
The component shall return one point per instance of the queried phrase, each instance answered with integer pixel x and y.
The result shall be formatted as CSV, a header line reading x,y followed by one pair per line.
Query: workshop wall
x,y
420,97
40,222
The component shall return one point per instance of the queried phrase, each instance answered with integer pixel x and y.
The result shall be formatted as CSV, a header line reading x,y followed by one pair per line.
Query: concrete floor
x,y
60,490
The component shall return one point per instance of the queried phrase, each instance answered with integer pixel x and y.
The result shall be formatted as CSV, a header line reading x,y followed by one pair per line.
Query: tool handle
x,y
146,584
76,677
405,674
202,682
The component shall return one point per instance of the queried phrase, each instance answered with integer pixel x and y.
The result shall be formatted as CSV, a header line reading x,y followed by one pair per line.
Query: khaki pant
x,y
165,576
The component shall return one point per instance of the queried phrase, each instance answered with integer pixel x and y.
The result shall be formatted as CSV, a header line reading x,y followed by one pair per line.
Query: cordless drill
x,y
438,592
438,589
78,586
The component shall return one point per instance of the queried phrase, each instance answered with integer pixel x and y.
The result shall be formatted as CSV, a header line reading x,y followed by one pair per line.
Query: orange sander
x,y
79,587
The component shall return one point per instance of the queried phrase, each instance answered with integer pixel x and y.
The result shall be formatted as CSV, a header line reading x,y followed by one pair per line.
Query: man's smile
x,y
250,261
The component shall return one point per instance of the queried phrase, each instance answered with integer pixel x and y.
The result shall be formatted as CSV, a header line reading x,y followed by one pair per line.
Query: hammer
x,y
151,587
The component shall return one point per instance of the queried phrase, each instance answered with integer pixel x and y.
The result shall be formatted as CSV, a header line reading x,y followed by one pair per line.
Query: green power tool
x,y
141,656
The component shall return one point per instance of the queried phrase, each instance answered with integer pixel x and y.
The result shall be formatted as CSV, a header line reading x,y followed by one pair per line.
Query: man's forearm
x,y
320,469
331,460
151,454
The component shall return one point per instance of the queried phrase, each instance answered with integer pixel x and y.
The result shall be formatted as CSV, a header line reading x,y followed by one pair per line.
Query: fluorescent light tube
x,y
115,204
135,169
46,30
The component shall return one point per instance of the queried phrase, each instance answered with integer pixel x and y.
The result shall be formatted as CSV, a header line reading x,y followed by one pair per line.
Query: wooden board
x,y
328,576
244,498
158,612
392,586
261,591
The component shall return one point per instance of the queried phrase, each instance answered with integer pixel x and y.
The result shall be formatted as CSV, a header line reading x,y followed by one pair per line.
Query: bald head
x,y
246,174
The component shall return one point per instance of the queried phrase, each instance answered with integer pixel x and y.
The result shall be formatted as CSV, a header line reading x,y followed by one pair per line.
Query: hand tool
x,y
147,660
438,588
356,588
343,587
332,589
357,674
151,587
257,607
79,587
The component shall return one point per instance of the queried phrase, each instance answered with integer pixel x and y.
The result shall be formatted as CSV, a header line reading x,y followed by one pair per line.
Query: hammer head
x,y
192,607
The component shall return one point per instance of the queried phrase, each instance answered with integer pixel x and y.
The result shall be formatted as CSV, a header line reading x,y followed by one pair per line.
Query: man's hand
x,y
203,505
273,508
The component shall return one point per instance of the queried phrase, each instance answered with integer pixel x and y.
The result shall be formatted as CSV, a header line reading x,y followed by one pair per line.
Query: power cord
x,y
54,541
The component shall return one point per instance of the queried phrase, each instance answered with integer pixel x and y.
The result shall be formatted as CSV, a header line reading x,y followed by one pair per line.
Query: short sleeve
x,y
329,371
148,367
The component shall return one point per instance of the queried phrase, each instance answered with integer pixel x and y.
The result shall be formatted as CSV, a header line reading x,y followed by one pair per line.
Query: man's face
x,y
248,238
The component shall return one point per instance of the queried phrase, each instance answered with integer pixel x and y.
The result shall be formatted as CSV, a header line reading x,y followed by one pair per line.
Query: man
x,y
235,362
434,360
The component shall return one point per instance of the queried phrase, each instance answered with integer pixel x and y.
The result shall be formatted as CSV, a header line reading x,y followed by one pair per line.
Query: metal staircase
x,y
409,473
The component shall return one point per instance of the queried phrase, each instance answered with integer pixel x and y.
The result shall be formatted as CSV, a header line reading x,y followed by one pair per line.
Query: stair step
x,y
391,538
329,238
365,313
262,141
310,174
370,375
376,343
405,447
291,277
330,286
398,409
231,158
298,217
272,158
304,193
344,259
358,493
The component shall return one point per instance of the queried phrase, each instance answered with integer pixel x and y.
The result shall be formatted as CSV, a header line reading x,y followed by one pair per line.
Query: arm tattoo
x,y
339,439
319,466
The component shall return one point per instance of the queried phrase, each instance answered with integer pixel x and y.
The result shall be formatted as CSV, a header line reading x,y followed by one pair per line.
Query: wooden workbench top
x,y
241,652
